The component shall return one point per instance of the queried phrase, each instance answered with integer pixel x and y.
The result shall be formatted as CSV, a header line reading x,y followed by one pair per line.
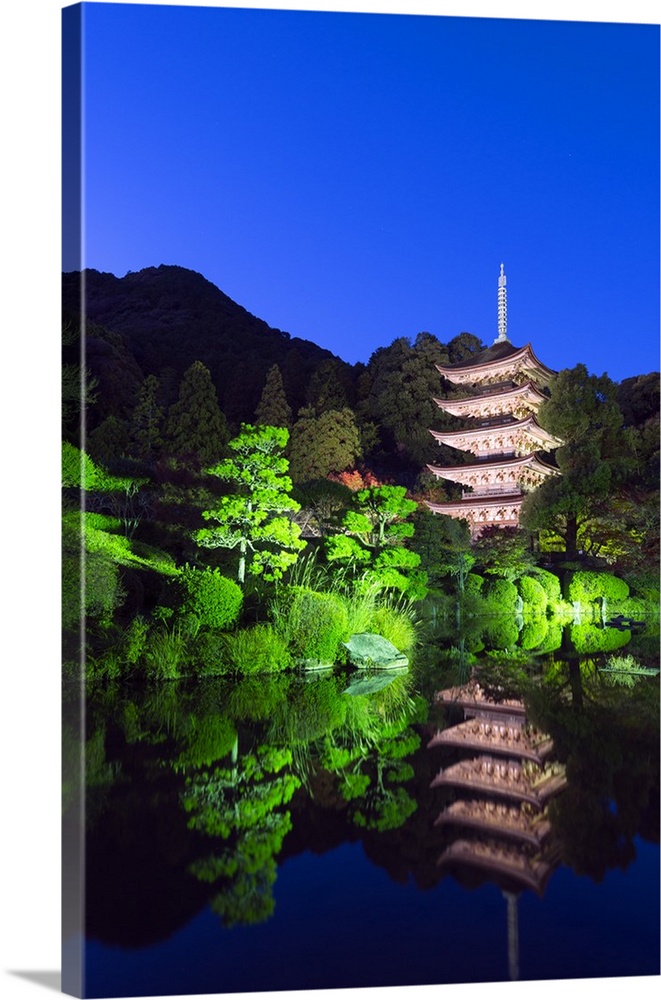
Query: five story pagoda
x,y
504,390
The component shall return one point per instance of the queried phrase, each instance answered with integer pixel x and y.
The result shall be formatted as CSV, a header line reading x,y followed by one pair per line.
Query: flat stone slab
x,y
367,649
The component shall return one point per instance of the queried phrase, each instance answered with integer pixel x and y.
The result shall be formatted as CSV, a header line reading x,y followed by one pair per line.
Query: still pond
x,y
339,830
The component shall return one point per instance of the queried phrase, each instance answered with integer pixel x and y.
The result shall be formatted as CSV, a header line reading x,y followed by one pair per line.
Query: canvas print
x,y
360,464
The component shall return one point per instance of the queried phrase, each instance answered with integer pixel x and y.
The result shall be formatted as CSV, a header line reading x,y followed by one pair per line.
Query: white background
x,y
29,533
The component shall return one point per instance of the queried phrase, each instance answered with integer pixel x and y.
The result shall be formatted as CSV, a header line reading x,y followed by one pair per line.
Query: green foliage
x,y
503,552
474,584
208,740
259,649
165,653
324,444
587,638
626,671
502,595
595,458
273,410
255,519
102,592
375,530
533,633
145,430
196,428
587,586
396,625
500,632
403,381
212,597
533,595
312,623
551,584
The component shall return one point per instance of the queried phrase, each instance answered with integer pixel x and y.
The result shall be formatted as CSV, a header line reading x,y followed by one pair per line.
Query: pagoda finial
x,y
502,307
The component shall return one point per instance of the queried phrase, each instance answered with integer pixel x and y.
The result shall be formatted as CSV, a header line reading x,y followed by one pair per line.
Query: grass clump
x,y
395,624
259,649
311,623
165,652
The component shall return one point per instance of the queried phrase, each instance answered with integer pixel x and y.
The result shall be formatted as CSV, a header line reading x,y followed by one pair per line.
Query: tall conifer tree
x,y
196,427
273,410
146,425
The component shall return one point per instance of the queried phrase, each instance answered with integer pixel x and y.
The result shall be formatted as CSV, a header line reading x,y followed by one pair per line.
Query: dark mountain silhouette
x,y
167,317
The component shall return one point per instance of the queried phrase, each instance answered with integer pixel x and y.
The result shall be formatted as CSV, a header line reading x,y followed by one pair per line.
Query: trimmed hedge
x,y
501,633
533,594
502,594
214,599
533,633
587,586
550,582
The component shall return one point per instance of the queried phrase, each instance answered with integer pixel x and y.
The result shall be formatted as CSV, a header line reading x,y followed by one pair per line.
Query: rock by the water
x,y
367,649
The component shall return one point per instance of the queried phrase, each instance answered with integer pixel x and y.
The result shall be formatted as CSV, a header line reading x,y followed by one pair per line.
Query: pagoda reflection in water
x,y
497,794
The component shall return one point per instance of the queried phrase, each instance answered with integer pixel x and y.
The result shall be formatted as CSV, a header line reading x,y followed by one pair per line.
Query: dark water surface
x,y
217,864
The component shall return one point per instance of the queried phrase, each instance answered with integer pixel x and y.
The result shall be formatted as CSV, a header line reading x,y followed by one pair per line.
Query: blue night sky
x,y
352,178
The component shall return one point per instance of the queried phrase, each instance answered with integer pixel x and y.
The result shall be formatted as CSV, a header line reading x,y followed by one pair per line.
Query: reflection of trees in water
x,y
219,774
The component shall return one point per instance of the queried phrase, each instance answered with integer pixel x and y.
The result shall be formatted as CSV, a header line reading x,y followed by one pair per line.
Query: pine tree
x,y
273,409
146,425
196,427
255,519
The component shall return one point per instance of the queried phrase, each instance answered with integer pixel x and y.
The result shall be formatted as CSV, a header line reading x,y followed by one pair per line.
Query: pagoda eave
x,y
495,366
525,396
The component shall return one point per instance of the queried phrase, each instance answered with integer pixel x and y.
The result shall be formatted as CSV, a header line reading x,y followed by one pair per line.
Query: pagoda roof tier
x,y
495,737
471,697
481,511
519,437
502,362
519,401
508,863
525,782
497,818
505,476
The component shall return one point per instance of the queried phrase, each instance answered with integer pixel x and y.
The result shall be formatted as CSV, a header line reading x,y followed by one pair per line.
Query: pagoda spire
x,y
502,307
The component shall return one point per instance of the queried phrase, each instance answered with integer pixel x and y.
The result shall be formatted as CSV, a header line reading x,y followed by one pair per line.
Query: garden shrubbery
x,y
312,623
214,599
588,587
501,595
533,595
256,650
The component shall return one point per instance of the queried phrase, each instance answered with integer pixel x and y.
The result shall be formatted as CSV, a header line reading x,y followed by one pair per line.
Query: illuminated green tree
x,y
255,519
373,538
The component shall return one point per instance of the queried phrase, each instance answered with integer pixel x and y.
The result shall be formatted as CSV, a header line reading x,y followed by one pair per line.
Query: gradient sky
x,y
352,178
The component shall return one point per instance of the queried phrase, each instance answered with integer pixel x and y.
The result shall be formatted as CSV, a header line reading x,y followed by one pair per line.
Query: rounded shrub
x,y
501,632
533,595
473,583
214,599
587,586
502,595
551,584
533,633
590,639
